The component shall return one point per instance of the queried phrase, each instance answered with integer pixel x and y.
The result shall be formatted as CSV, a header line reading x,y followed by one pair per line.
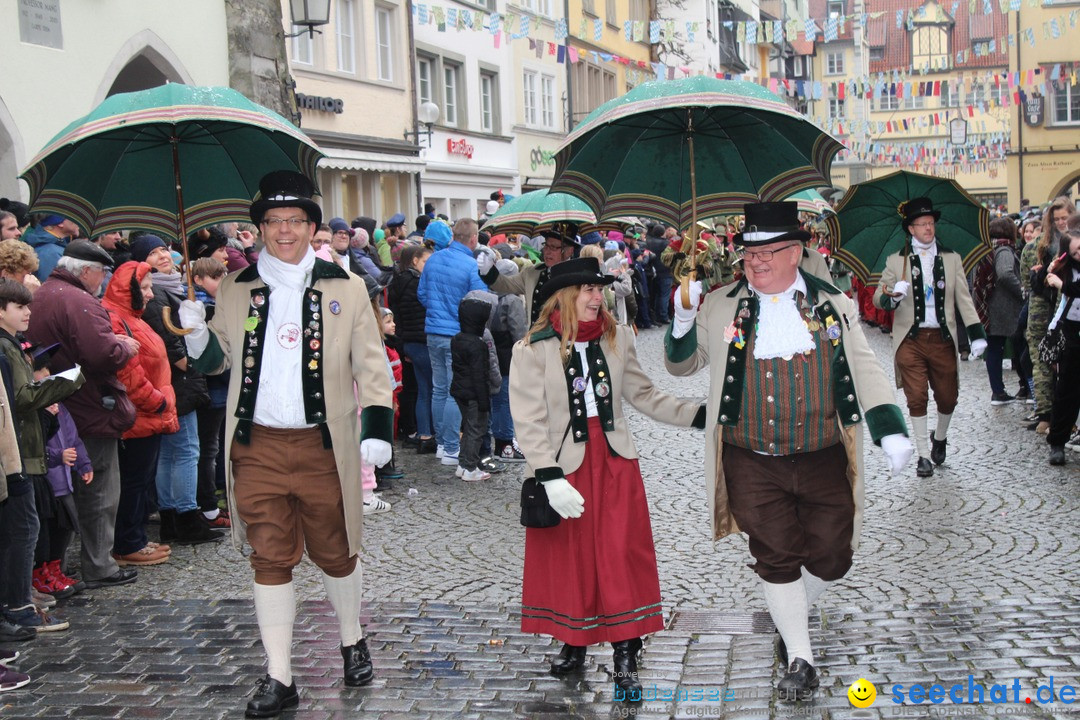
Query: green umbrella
x,y
811,201
677,150
170,160
867,226
536,210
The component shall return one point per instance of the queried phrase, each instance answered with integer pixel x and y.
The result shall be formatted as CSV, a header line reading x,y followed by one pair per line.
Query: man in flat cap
x,y
299,335
925,283
67,311
792,380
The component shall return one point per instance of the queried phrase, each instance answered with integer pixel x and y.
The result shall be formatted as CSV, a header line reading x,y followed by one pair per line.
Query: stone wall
x,y
258,64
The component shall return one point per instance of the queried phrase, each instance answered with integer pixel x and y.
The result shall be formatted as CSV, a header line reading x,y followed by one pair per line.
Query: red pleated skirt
x,y
593,579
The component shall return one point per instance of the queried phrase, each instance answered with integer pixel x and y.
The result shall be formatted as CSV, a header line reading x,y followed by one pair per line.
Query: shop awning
x,y
342,159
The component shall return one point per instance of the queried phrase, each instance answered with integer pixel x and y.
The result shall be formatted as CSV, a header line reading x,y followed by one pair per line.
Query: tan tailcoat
x,y
871,387
353,353
540,404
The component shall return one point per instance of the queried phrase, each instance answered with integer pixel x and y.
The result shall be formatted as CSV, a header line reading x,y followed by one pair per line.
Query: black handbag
x,y
536,511
1051,345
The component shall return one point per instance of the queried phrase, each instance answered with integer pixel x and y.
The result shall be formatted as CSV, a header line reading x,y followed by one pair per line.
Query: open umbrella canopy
x,y
810,201
537,210
867,226
631,156
140,158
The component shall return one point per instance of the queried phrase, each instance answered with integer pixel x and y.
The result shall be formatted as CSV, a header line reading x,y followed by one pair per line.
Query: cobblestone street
x,y
972,572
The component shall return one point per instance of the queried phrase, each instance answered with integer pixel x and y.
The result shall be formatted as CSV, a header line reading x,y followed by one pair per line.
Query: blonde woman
x,y
592,578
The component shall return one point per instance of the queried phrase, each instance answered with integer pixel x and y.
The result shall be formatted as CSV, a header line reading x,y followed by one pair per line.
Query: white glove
x,y
564,499
685,317
901,289
484,263
978,347
193,316
375,452
898,448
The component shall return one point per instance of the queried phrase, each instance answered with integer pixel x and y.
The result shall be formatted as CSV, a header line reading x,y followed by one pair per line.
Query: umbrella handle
x,y
166,319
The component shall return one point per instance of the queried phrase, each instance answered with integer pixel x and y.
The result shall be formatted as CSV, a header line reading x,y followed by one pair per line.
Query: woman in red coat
x,y
148,379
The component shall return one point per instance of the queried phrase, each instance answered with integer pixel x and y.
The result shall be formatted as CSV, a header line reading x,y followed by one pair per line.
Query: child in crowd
x,y
29,489
472,384
390,471
207,274
65,454
373,504
508,325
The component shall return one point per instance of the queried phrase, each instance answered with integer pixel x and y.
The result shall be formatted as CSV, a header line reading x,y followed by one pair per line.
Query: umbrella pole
x,y
684,284
166,314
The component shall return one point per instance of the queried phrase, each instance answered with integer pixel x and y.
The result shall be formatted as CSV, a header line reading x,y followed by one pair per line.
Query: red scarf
x,y
586,331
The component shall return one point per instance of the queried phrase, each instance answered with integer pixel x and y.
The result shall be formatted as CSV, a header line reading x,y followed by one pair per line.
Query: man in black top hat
x,y
926,285
791,381
299,335
559,245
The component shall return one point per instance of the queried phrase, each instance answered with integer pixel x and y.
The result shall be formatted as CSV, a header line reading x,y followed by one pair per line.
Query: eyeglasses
x,y
555,248
929,223
294,223
765,255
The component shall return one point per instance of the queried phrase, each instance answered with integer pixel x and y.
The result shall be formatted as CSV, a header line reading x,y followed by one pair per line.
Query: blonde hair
x,y
1048,234
16,257
593,251
565,301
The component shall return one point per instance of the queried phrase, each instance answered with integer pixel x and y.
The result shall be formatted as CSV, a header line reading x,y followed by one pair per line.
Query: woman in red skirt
x,y
592,578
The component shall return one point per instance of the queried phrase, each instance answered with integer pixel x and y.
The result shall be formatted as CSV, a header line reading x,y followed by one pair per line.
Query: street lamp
x,y
428,114
309,13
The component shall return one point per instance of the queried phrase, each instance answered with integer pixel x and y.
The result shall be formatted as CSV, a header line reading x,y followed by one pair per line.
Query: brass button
x,y
855,416
729,378
850,398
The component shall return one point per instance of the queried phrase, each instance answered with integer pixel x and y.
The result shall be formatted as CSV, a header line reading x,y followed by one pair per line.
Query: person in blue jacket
x,y
448,275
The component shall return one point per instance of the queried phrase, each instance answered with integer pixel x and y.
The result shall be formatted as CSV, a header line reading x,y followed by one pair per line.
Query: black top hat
x,y
916,208
576,271
285,188
770,222
565,231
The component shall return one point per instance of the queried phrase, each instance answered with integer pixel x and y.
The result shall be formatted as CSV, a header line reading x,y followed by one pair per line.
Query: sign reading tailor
x,y
459,147
324,104
1034,105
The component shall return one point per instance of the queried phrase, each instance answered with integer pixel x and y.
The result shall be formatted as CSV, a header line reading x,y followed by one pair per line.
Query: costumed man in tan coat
x,y
791,381
299,334
925,340
559,246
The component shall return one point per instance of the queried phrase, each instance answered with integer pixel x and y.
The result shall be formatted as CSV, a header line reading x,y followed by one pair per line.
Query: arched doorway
x,y
1069,186
144,62
11,155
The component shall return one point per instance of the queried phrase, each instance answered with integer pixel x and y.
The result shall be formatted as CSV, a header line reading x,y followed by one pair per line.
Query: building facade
x,y
63,59
1044,160
354,92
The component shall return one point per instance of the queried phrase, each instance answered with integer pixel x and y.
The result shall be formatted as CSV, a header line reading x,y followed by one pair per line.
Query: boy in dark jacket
x,y
471,385
19,522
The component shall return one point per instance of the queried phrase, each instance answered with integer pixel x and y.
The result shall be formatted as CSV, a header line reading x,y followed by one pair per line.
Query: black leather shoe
x,y
358,668
924,468
624,670
123,576
1057,455
937,449
570,658
271,697
799,683
781,649
10,632
426,446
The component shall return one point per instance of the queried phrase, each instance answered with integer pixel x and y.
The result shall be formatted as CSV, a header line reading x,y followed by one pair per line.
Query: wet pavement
x,y
968,578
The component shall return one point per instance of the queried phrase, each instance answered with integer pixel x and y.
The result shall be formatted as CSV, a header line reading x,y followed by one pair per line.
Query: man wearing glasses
x,y
926,285
791,380
559,246
298,334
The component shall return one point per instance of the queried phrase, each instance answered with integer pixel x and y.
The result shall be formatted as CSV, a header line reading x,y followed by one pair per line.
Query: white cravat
x,y
781,330
927,255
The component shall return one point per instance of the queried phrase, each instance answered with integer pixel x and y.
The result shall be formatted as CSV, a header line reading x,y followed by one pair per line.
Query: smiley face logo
x,y
862,694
